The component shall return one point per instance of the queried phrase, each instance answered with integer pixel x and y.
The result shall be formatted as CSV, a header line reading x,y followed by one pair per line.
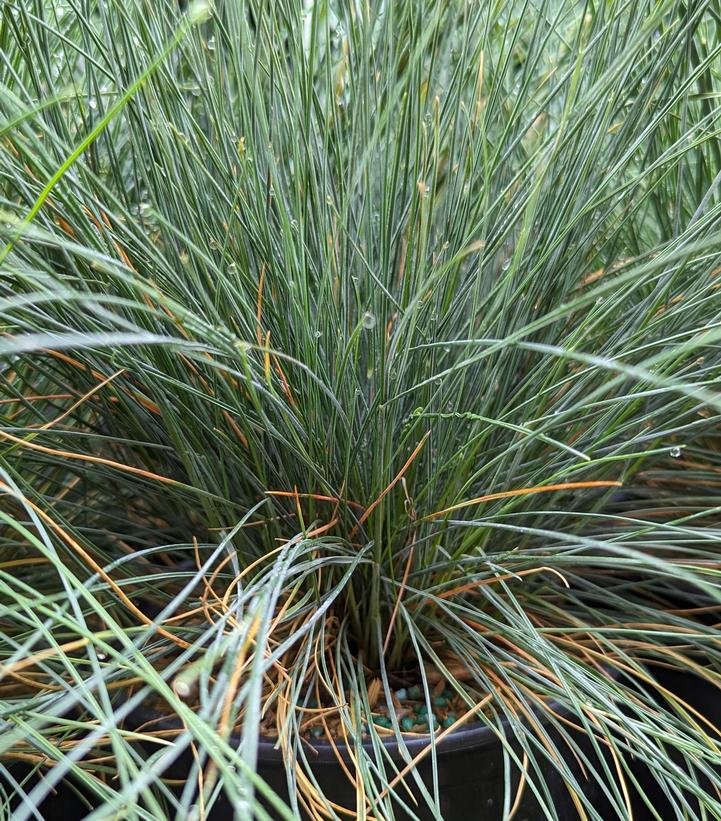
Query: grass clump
x,y
350,348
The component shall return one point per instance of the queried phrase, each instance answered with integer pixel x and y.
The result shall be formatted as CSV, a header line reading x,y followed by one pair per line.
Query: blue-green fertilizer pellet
x,y
407,723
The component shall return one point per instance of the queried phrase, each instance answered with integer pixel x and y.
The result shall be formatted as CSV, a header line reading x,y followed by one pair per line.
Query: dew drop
x,y
318,334
675,452
211,44
92,102
368,321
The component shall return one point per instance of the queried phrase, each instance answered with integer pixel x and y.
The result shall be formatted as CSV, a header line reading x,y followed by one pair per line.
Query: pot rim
x,y
477,735
321,751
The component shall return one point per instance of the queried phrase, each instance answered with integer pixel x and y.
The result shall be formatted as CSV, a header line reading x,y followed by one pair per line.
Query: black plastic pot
x,y
470,767
471,778
66,802
470,772
705,698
